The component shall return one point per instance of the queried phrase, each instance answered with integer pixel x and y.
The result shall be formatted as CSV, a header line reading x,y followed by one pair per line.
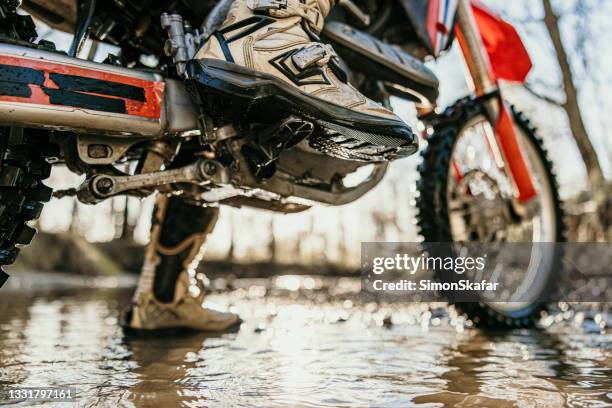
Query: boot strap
x,y
319,54
290,8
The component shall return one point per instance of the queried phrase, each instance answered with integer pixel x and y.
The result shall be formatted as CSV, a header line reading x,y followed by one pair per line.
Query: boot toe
x,y
219,321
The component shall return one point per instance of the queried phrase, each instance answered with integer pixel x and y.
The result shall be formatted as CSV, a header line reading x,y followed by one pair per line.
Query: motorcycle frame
x,y
177,116
101,138
485,83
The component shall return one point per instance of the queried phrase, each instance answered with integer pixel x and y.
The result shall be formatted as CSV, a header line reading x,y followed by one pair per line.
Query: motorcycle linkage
x,y
102,186
251,161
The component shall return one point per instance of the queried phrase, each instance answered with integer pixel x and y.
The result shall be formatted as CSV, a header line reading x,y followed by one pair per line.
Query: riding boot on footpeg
x,y
265,64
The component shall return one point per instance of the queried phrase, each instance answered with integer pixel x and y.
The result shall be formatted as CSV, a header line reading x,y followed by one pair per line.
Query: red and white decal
x,y
440,22
79,87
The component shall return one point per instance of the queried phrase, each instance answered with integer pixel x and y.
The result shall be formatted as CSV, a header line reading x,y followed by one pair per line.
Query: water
x,y
305,342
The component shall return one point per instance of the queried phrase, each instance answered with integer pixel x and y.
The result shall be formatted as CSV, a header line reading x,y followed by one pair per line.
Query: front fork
x,y
499,114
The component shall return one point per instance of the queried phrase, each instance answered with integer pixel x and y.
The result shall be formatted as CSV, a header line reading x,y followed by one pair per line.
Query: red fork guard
x,y
509,60
513,155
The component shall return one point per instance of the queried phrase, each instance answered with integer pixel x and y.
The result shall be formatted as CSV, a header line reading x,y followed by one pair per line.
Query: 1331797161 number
x,y
39,394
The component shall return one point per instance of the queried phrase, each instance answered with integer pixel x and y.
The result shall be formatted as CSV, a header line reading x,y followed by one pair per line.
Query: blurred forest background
x,y
566,98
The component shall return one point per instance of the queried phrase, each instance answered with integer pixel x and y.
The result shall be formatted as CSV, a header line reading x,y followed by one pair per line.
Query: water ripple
x,y
309,349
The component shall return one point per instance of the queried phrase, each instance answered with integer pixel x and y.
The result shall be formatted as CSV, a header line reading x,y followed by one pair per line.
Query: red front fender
x,y
510,60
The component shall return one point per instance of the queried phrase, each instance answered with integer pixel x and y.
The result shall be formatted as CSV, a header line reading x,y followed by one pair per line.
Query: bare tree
x,y
231,252
127,226
116,214
381,222
74,219
342,249
570,103
271,241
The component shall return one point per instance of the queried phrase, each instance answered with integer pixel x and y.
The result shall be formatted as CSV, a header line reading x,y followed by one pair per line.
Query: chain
x,y
71,192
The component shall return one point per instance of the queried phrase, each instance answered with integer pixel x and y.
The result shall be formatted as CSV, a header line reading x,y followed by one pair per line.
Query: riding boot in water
x,y
169,295
266,65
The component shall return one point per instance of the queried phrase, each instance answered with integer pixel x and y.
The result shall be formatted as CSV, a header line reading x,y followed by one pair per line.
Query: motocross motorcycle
x,y
485,175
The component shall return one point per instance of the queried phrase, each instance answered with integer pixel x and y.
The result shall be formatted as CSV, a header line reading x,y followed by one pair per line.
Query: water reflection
x,y
300,347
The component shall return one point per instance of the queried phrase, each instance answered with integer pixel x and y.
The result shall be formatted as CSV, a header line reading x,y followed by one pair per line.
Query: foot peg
x,y
267,144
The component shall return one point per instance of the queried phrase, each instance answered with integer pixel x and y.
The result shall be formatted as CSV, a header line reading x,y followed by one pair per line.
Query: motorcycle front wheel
x,y
466,196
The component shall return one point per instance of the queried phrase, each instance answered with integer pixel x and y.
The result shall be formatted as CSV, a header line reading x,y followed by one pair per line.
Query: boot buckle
x,y
286,8
319,54
266,5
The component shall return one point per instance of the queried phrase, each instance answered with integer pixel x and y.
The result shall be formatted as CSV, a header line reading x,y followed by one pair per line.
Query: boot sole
x,y
130,331
177,331
237,94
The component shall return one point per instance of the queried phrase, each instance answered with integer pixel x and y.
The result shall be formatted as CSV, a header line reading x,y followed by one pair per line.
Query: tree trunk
x,y
271,242
571,107
231,252
74,220
127,229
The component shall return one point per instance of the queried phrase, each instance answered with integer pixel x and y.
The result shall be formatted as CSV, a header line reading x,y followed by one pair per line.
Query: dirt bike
x,y
485,175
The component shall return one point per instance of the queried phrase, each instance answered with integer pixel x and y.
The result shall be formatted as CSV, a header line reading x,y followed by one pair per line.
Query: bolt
x,y
99,151
210,169
105,185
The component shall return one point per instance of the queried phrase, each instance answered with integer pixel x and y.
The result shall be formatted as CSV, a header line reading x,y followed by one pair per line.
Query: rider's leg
x,y
266,63
169,295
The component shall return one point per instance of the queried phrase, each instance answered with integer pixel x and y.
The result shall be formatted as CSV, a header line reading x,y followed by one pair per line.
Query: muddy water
x,y
305,342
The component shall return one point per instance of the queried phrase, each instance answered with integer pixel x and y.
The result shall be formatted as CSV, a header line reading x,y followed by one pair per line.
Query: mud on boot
x,y
169,297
